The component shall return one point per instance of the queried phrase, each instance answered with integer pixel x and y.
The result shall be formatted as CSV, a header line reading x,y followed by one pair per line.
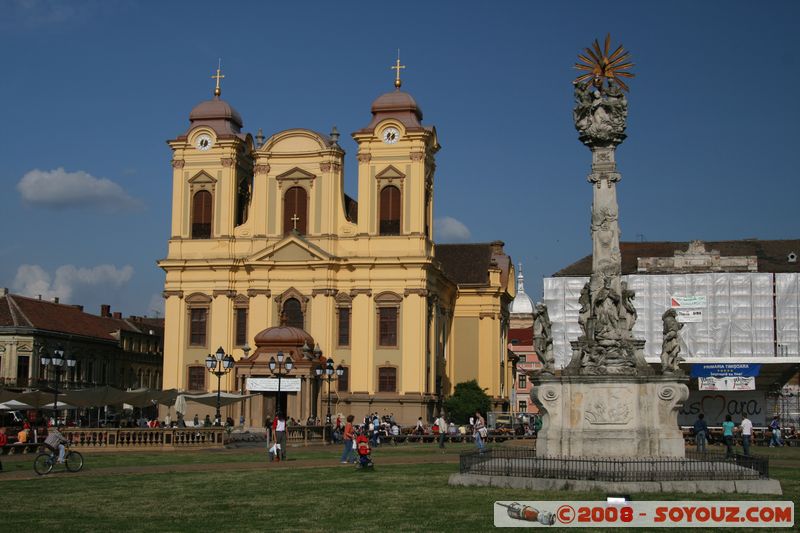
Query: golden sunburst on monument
x,y
601,67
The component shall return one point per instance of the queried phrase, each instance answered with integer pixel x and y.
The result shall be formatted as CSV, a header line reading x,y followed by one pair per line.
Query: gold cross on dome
x,y
218,76
397,66
294,219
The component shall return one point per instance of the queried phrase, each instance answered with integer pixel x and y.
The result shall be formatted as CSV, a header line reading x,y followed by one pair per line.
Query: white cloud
x,y
69,280
448,229
61,189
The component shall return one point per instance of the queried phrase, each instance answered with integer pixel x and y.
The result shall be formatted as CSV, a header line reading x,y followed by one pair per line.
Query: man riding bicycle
x,y
55,440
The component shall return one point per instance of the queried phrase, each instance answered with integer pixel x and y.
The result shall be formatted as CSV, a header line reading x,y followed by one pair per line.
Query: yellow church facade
x,y
264,236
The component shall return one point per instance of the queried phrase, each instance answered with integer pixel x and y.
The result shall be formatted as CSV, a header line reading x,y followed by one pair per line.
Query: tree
x,y
467,398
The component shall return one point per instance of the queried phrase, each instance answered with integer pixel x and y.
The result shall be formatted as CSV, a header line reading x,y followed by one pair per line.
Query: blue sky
x,y
93,89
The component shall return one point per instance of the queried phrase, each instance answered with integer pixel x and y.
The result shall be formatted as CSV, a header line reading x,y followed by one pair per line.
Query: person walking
x,y
727,436
348,439
480,431
700,433
775,426
3,442
746,427
442,423
279,427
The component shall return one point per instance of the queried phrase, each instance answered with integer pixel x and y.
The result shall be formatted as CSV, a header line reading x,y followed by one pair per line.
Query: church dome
x,y
218,114
398,105
396,101
522,304
282,337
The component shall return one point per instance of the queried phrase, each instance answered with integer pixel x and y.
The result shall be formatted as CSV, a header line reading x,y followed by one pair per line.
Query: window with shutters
x,y
295,211
197,378
241,325
198,317
387,379
343,381
387,326
389,211
343,337
201,215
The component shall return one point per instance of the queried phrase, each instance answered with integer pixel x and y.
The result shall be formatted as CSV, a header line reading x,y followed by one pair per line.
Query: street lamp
x,y
219,364
328,371
280,365
57,362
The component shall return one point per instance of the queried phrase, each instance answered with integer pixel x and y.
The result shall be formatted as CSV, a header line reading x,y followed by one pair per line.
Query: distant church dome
x,y
522,304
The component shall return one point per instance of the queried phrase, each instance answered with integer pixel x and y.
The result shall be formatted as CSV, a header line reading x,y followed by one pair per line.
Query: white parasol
x,y
180,404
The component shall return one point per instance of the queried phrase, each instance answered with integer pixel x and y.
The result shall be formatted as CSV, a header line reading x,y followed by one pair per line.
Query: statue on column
x,y
585,311
627,311
543,338
671,345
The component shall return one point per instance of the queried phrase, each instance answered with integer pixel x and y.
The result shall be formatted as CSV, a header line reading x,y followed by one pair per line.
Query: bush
x,y
467,398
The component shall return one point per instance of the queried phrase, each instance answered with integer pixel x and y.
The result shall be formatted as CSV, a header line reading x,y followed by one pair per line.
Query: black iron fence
x,y
521,462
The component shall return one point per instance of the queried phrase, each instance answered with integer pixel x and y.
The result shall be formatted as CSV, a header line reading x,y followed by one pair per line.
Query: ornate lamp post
x,y
219,364
328,372
277,368
57,362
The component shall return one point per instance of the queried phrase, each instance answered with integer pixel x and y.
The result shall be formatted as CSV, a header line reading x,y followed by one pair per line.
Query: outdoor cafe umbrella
x,y
210,399
14,405
95,397
50,406
37,398
180,404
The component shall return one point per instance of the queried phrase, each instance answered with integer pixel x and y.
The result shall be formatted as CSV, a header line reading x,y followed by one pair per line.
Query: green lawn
x,y
413,497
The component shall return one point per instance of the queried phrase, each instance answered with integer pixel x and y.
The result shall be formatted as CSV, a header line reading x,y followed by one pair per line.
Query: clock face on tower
x,y
390,135
203,142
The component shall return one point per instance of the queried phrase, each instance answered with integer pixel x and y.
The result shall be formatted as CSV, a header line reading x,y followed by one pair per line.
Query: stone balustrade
x,y
145,439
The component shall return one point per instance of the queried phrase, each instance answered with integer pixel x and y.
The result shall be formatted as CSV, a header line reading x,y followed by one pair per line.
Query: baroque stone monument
x,y
608,402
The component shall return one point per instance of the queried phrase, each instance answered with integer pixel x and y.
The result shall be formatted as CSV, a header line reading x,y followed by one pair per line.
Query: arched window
x,y
295,211
390,211
293,313
201,215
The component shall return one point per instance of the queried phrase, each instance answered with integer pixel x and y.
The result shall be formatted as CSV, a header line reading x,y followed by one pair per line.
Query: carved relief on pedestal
x,y
609,406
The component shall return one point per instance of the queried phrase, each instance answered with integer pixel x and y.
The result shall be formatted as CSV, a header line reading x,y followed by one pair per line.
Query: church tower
x,y
395,173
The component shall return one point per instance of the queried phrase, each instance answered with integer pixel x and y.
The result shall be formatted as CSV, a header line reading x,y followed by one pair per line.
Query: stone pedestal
x,y
609,416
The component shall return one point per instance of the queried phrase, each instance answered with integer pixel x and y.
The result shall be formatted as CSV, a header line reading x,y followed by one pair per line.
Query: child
x,y
362,444
275,452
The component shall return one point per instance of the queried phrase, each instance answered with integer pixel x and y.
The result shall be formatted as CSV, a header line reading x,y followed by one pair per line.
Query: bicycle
x,y
44,462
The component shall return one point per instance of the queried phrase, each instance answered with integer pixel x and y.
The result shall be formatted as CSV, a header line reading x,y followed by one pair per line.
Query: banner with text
x,y
725,370
727,383
271,384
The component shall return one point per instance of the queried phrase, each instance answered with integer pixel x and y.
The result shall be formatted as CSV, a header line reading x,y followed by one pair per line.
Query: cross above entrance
x,y
294,219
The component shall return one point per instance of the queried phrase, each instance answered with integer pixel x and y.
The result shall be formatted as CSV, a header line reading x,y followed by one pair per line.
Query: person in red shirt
x,y
3,442
348,439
